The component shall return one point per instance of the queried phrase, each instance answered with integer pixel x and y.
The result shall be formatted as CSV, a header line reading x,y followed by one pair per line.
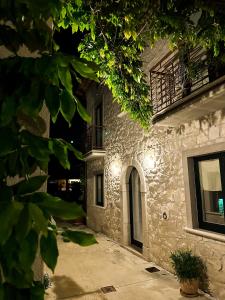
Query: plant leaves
x,y
60,151
8,110
28,250
49,250
24,224
40,223
38,146
57,207
37,291
77,153
80,237
19,279
52,100
9,214
82,112
2,296
67,106
84,68
6,193
30,185
10,141
32,103
65,78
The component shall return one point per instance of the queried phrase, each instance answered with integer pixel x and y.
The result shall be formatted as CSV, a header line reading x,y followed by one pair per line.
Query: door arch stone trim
x,y
125,205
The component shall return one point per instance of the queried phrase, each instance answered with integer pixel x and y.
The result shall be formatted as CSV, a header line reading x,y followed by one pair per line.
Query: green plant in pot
x,y
188,268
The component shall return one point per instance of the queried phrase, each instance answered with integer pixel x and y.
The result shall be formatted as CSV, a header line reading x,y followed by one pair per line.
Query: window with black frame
x,y
99,190
210,191
98,126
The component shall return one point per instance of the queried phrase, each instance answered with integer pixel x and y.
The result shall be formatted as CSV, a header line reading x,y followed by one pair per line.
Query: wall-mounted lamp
x,y
148,162
116,168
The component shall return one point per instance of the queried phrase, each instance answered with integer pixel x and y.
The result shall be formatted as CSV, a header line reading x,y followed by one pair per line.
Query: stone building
x,y
163,189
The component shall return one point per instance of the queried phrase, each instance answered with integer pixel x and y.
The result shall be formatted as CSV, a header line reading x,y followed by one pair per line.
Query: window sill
x,y
206,234
98,206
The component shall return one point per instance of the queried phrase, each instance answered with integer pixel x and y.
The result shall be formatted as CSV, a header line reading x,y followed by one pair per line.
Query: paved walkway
x,y
81,272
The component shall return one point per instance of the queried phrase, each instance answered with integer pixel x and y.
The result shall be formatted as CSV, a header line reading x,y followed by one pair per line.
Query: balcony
x,y
94,143
186,86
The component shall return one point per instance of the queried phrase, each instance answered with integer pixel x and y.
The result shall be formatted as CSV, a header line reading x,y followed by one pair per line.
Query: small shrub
x,y
186,265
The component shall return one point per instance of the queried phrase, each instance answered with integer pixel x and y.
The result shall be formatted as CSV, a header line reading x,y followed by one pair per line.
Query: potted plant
x,y
187,268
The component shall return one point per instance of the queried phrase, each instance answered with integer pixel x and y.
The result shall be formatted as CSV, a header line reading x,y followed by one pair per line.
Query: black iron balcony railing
x,y
94,138
177,75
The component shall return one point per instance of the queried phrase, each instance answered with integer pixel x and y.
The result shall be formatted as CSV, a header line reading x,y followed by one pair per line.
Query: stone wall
x,y
125,141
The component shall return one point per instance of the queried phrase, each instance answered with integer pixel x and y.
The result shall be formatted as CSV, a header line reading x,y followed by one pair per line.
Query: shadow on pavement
x,y
65,287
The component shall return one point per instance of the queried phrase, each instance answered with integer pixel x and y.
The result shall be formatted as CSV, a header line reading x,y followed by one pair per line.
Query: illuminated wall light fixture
x,y
148,162
116,168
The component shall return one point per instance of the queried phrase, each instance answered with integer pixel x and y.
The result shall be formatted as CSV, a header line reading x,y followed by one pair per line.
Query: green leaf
x,y
20,279
75,27
43,165
82,112
60,151
27,164
8,110
32,103
67,106
78,3
77,153
65,78
40,223
52,100
30,185
6,193
2,292
13,168
37,291
10,141
85,68
28,250
38,146
57,207
9,214
80,237
2,169
49,250
24,224
127,34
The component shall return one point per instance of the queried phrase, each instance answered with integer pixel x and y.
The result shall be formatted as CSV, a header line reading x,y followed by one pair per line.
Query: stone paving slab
x,y
82,271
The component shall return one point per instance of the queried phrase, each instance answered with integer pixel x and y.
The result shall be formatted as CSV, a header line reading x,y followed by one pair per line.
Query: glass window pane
x,y
211,191
98,126
99,190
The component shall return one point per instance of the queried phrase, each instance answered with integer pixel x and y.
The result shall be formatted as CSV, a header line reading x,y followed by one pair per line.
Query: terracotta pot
x,y
189,287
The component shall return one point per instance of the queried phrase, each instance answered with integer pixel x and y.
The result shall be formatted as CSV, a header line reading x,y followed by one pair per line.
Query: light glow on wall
x,y
116,168
148,162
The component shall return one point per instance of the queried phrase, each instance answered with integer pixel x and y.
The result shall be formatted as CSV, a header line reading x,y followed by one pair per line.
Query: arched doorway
x,y
135,203
133,176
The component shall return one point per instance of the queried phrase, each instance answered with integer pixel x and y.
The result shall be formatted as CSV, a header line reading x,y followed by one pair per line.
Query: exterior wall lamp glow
x,y
148,162
116,168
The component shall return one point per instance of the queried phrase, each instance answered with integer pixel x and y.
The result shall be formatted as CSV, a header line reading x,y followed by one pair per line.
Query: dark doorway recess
x,y
135,210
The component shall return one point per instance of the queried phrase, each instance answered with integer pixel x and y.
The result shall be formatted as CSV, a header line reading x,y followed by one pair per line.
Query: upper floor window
x,y
210,191
99,126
